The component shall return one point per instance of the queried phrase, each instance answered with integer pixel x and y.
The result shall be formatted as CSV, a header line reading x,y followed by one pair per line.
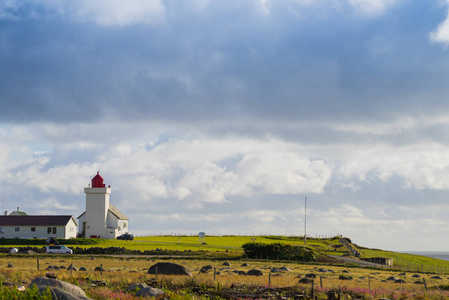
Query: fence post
x,y
269,279
38,264
321,281
215,269
425,284
101,269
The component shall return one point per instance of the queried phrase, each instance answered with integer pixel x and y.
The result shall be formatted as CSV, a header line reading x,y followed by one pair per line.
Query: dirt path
x,y
359,262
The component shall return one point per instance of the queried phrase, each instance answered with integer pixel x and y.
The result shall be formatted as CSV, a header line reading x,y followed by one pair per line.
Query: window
x,y
2,230
17,229
33,229
124,224
48,230
54,230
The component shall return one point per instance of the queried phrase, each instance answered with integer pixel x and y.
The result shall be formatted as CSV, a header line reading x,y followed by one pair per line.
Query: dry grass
x,y
121,272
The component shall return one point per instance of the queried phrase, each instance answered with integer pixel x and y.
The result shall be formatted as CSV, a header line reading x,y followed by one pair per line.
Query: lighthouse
x,y
101,219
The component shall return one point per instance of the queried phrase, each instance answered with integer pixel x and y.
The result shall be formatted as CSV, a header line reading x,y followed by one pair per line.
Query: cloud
x,y
120,13
104,13
441,34
372,7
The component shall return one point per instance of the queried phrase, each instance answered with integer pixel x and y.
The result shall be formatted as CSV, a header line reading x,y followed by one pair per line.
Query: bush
x,y
278,251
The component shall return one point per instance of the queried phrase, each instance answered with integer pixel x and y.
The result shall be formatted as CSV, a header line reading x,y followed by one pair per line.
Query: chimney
x,y
6,212
18,208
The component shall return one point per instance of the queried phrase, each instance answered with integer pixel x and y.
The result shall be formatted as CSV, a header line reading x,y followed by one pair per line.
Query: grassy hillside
x,y
232,245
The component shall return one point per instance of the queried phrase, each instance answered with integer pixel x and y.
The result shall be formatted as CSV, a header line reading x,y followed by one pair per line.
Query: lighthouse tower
x,y
101,218
97,206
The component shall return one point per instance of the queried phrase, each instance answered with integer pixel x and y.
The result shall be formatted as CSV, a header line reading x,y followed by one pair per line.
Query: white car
x,y
58,249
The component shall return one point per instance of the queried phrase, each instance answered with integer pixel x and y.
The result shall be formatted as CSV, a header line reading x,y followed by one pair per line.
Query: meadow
x,y
122,271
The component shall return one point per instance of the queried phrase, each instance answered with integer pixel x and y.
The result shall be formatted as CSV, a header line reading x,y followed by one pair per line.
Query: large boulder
x,y
136,286
68,288
254,272
167,268
149,292
61,294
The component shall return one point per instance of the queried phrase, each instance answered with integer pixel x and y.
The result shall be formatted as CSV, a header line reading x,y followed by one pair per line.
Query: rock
x,y
71,267
83,269
59,293
418,282
10,266
55,268
99,269
436,277
205,269
149,292
399,281
402,274
50,275
254,272
305,280
21,288
342,277
285,269
167,268
71,289
345,271
311,275
241,272
139,286
245,265
226,264
392,278
416,276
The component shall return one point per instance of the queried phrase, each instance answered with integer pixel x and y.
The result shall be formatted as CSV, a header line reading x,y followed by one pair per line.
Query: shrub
x,y
278,251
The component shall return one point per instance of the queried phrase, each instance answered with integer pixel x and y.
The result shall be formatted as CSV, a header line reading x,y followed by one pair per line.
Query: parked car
x,y
58,249
126,237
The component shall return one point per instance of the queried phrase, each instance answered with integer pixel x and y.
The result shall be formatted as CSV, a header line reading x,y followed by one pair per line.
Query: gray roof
x,y
36,220
114,210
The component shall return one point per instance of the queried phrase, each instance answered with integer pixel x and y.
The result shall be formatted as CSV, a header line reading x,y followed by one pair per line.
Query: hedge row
x,y
278,251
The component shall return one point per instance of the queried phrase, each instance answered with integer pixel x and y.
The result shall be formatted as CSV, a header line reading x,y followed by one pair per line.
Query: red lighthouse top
x,y
98,181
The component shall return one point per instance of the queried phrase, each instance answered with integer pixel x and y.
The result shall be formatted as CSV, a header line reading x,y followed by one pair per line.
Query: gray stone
x,y
227,264
149,292
83,269
139,286
167,268
254,272
305,280
60,294
68,288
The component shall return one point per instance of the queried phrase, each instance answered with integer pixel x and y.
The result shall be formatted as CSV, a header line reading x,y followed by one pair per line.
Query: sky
x,y
223,116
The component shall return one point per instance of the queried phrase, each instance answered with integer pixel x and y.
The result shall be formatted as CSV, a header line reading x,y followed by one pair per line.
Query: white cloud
x,y
441,34
372,7
119,12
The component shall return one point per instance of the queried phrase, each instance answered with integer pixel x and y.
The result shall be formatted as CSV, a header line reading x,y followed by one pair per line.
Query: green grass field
x,y
232,246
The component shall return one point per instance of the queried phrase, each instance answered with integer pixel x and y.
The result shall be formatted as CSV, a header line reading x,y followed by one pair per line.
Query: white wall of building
x,y
97,206
39,232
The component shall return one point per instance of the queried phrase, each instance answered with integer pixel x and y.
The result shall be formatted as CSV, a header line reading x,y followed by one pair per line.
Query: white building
x,y
101,218
37,226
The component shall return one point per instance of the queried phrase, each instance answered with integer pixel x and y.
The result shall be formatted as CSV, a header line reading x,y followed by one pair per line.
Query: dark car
x,y
126,237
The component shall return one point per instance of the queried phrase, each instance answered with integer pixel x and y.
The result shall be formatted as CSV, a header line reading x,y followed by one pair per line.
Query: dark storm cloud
x,y
222,61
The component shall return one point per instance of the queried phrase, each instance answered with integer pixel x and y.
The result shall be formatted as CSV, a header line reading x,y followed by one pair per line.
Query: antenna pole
x,y
305,220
